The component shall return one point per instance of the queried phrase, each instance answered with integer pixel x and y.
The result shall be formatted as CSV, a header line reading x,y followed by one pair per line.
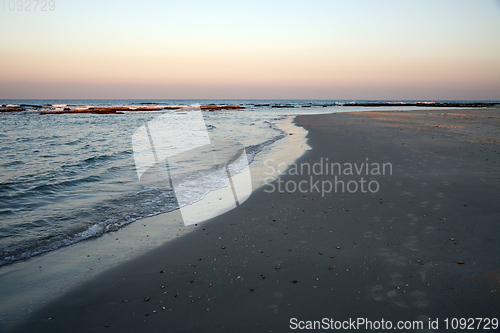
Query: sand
x,y
425,245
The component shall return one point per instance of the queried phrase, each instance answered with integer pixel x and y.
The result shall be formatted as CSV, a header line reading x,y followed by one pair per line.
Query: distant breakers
x,y
342,177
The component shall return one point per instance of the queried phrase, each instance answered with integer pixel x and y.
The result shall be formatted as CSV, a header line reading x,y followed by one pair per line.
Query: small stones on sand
x,y
192,301
294,281
338,247
332,257
223,247
146,299
161,272
331,267
461,262
107,325
125,301
452,239
321,253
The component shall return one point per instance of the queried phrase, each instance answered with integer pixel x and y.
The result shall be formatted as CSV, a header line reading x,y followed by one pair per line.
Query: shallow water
x,y
67,178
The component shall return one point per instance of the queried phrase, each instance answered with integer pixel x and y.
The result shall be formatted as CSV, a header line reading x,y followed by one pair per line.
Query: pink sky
x,y
317,50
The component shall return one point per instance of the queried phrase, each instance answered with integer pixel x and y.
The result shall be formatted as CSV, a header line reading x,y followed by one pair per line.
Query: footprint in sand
x,y
429,230
388,256
396,297
377,292
413,219
411,243
419,299
399,293
277,299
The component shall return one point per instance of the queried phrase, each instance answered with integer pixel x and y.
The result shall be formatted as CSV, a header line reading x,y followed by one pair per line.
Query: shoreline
x,y
305,255
28,284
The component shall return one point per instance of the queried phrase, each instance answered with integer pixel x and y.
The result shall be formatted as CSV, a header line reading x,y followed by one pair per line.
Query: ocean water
x,y
67,178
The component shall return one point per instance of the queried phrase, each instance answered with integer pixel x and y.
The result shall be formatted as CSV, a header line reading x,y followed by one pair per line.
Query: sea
x,y
69,178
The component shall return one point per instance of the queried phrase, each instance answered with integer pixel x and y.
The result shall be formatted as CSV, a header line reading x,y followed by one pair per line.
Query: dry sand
x,y
424,246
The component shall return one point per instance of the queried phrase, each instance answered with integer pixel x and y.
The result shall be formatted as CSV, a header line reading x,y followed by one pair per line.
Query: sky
x,y
352,49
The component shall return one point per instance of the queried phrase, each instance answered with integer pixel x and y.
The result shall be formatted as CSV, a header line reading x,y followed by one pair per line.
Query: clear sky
x,y
351,49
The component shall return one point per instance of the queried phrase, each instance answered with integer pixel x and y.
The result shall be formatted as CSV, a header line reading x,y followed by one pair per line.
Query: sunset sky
x,y
438,49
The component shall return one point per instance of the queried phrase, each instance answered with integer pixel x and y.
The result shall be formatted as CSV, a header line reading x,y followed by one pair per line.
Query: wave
x,y
114,214
45,189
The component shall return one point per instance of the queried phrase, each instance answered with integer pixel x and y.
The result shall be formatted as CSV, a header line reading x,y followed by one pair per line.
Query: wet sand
x,y
425,245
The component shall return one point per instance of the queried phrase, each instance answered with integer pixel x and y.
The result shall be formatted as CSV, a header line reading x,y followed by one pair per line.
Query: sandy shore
x,y
424,245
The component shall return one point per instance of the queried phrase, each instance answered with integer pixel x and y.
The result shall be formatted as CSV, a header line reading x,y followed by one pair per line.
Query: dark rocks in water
x,y
120,109
12,109
282,106
220,107
31,106
110,110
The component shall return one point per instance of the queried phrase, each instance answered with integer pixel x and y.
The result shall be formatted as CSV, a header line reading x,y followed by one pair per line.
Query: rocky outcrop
x,y
11,109
220,107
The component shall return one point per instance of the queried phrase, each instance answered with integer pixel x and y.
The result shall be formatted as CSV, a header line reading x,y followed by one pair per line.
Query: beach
x,y
390,216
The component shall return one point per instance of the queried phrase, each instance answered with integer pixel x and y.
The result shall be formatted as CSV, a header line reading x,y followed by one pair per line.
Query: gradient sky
x,y
437,49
